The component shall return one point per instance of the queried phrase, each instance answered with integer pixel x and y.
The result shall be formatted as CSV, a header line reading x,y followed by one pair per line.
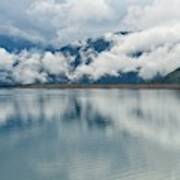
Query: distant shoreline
x,y
96,86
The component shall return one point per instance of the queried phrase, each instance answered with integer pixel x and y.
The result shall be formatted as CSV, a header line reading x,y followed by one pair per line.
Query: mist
x,y
152,52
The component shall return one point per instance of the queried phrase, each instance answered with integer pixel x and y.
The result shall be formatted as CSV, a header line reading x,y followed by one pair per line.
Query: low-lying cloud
x,y
158,49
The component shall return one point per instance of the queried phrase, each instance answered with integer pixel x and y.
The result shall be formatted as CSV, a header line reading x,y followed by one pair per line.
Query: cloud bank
x,y
159,48
152,49
151,52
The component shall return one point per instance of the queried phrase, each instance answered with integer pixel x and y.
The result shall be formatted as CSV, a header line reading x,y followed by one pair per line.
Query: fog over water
x,y
89,134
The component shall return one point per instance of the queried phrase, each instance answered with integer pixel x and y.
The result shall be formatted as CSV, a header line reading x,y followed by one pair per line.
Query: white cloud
x,y
59,21
161,54
6,60
72,19
159,12
54,63
160,49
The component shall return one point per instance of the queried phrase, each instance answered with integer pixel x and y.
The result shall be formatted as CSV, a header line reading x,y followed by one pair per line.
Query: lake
x,y
89,134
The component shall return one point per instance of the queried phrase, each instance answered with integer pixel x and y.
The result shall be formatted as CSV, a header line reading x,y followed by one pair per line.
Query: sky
x,y
62,21
155,27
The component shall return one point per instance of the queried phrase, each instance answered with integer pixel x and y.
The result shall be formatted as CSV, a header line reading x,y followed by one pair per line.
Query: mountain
x,y
78,54
173,77
16,44
121,78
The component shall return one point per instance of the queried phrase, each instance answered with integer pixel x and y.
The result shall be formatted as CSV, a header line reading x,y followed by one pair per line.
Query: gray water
x,y
89,135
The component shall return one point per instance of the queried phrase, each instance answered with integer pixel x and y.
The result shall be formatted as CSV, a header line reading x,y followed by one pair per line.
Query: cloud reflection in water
x,y
139,113
89,134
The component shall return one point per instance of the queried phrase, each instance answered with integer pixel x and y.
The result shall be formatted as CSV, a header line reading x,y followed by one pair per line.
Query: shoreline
x,y
96,86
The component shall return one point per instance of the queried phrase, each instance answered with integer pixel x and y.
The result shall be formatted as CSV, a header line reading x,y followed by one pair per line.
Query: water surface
x,y
89,134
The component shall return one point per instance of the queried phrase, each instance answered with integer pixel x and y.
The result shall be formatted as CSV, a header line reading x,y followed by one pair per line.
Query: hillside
x,y
173,77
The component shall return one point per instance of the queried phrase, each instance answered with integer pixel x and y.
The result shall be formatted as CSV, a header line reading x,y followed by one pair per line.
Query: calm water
x,y
89,135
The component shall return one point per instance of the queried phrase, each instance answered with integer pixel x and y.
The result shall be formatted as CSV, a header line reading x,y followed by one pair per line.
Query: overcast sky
x,y
61,21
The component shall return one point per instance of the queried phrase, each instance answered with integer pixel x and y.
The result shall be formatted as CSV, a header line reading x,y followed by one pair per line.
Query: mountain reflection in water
x,y
90,134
